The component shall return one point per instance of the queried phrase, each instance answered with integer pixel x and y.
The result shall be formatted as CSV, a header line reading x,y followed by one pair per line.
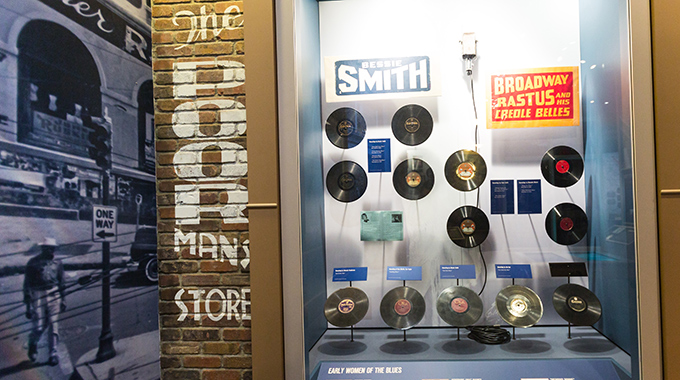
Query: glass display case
x,y
466,189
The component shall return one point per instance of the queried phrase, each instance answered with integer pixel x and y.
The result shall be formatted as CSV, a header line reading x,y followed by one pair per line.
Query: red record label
x,y
459,305
468,227
566,224
465,171
562,166
402,306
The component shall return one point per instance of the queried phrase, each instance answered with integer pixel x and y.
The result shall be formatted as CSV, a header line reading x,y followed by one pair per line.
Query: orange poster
x,y
544,97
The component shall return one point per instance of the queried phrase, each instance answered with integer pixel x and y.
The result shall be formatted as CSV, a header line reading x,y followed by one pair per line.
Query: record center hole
x,y
346,181
577,304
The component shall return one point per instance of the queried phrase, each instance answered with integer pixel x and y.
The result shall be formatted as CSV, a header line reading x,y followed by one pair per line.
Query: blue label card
x,y
513,271
503,197
529,196
457,271
379,156
405,273
578,369
350,274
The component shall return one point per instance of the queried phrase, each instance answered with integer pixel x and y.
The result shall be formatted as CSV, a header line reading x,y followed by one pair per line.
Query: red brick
x,y
221,374
202,362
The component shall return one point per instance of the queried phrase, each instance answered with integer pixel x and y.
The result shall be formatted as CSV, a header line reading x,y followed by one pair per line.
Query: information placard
x,y
529,196
350,274
379,156
502,197
457,271
405,273
513,271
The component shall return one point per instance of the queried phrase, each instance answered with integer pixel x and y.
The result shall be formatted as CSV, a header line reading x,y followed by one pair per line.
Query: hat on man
x,y
48,242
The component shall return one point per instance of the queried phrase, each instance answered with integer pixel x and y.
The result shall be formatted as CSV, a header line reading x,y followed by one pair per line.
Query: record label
x,y
467,226
345,127
562,166
566,224
413,179
346,307
402,308
465,170
459,306
519,306
412,124
346,181
577,305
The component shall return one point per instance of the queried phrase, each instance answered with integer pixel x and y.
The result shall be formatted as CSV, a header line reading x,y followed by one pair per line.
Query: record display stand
x,y
574,303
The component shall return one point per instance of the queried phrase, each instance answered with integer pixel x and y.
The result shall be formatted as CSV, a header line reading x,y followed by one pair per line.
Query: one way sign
x,y
104,226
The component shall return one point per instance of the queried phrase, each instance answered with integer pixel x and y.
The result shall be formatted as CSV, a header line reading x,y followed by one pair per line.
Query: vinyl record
x,y
413,179
346,181
562,166
577,305
346,307
465,170
467,226
345,127
459,306
402,308
566,224
412,124
519,306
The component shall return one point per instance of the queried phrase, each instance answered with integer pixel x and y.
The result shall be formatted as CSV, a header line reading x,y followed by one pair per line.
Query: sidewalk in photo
x,y
14,361
137,357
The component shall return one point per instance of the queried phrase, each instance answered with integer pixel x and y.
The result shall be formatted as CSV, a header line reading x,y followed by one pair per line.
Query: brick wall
x,y
204,285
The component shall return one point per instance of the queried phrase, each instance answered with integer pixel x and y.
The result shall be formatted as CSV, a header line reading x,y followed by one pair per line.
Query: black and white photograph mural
x,y
78,272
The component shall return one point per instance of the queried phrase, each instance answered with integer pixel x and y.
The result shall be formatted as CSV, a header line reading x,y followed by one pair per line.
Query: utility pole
x,y
100,151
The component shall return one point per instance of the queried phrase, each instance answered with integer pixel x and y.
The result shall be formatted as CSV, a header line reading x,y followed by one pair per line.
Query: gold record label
x,y
577,304
346,181
468,227
459,305
412,125
519,307
346,306
465,171
402,306
345,128
413,179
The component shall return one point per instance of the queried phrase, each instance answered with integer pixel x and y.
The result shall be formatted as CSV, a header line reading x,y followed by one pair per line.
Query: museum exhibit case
x,y
467,189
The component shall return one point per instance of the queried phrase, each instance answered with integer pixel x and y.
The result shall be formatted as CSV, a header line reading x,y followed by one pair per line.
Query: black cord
x,y
489,334
474,106
486,272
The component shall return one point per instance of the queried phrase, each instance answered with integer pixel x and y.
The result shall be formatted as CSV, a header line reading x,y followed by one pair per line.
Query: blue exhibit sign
x,y
503,196
563,369
513,271
379,156
350,274
529,196
457,271
405,273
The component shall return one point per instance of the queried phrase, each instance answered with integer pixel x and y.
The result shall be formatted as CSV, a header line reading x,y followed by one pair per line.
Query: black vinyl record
x,y
345,127
413,179
566,224
346,307
346,181
467,226
562,166
412,124
519,306
459,306
465,170
402,308
577,305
